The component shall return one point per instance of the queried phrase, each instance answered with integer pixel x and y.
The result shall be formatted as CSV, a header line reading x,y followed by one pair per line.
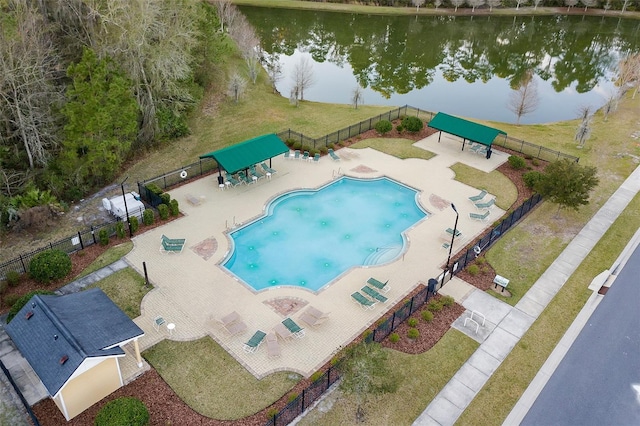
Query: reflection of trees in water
x,y
397,54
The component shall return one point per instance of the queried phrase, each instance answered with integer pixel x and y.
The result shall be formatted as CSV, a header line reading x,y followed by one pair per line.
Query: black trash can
x,y
431,286
220,180
489,153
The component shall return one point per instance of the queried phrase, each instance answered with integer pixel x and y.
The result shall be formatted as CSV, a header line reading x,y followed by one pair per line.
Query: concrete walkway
x,y
505,325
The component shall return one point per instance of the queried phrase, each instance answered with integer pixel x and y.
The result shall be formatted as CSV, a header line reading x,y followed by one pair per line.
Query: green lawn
x,y
401,148
107,258
494,182
422,378
212,382
126,288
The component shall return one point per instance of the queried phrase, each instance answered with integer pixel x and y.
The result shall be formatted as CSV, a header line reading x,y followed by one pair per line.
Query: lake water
x,y
465,66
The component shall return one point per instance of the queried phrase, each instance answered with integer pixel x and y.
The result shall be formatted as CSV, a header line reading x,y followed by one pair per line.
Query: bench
x,y
500,281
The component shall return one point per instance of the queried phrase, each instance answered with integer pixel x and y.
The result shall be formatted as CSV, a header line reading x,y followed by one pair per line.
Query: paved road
x,y
598,381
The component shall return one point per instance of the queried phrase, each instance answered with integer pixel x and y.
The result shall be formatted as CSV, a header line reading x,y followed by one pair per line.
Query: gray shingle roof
x,y
78,326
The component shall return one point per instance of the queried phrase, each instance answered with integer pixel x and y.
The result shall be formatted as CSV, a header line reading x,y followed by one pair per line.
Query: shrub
x,y
49,265
473,270
383,126
297,145
147,217
154,188
123,411
366,334
103,237
11,300
413,333
120,233
17,302
316,376
399,128
289,142
134,223
481,260
305,148
332,146
517,163
166,198
434,306
531,178
174,208
13,278
535,162
163,212
412,124
394,337
427,316
324,150
272,413
447,301
412,322
3,286
292,397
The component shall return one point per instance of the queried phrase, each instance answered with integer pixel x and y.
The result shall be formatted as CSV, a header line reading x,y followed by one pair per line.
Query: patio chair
x,y
282,331
252,345
333,155
273,346
364,303
294,328
254,172
488,205
172,245
313,320
305,156
476,198
158,322
481,217
176,241
245,179
316,158
373,294
287,155
267,169
296,154
233,323
382,286
233,181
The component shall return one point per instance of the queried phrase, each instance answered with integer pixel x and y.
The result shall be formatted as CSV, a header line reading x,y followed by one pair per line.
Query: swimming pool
x,y
308,238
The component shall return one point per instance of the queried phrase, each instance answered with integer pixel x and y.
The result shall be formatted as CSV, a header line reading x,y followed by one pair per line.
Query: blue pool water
x,y
308,238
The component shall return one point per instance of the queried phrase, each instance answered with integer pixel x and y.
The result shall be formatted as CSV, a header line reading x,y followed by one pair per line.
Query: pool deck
x,y
191,290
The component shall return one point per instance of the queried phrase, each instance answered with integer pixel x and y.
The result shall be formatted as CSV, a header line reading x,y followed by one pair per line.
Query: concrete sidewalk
x,y
506,325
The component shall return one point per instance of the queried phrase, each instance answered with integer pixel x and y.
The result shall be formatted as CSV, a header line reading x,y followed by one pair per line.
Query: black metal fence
x,y
532,150
491,236
71,244
174,177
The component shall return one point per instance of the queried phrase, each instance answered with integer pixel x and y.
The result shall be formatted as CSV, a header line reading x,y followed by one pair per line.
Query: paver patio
x,y
191,288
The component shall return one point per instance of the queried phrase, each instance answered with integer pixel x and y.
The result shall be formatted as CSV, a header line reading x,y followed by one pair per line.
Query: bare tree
x,y
584,128
248,42
629,73
537,3
237,86
227,13
525,99
357,97
519,2
589,3
625,3
29,95
437,3
273,66
417,3
294,95
303,76
610,106
493,3
474,4
607,6
457,4
570,3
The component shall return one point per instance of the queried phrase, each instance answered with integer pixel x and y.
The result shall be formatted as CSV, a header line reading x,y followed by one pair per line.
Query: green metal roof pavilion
x,y
465,129
240,156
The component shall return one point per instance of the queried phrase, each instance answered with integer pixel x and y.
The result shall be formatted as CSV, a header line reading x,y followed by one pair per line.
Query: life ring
x,y
477,250
183,174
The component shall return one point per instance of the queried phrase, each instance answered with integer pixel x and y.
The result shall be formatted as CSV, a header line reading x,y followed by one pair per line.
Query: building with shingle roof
x,y
73,343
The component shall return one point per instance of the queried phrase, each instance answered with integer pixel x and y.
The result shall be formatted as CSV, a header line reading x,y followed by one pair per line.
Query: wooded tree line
x,y
84,83
621,5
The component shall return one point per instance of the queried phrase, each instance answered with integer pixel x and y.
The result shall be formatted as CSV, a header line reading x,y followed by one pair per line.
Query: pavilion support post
x,y
439,135
464,140
137,348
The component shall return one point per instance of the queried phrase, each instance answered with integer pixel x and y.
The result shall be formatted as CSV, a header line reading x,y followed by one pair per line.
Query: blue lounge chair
x,y
488,205
252,345
482,217
267,169
316,158
363,301
254,172
305,156
382,286
333,155
296,154
287,155
476,198
373,294
294,328
170,245
245,179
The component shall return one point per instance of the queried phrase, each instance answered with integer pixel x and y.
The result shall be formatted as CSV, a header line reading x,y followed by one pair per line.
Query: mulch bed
x,y
166,407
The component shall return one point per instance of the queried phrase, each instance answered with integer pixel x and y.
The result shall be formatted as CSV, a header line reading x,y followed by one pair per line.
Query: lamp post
x,y
126,210
453,236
